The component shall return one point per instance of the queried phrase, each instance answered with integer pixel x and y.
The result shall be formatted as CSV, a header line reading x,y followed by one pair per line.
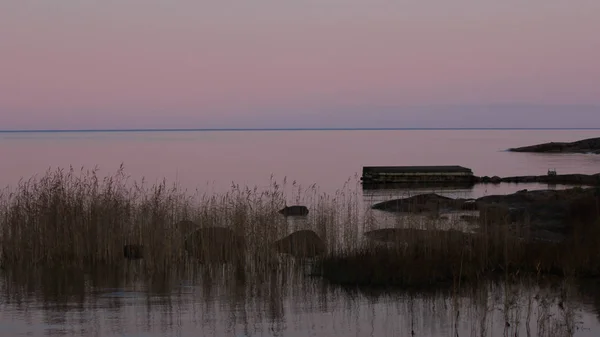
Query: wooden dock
x,y
421,175
391,177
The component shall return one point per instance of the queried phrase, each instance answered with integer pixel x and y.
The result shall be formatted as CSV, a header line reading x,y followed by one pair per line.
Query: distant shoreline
x,y
590,145
284,129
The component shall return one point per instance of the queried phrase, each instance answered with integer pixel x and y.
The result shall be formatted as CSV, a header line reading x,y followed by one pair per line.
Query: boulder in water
x,y
215,244
302,243
296,210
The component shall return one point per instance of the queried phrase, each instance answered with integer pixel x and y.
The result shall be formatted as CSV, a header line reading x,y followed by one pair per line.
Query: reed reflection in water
x,y
218,301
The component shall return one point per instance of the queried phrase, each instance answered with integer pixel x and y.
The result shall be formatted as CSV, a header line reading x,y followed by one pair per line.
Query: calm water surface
x,y
50,303
214,159
123,303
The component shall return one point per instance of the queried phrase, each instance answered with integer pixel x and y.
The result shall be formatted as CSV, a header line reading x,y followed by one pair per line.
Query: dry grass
x,y
76,219
434,258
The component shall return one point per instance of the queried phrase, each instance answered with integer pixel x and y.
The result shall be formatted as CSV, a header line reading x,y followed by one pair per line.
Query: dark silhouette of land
x,y
591,145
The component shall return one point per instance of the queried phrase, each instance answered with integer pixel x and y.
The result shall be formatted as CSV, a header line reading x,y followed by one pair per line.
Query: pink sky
x,y
268,63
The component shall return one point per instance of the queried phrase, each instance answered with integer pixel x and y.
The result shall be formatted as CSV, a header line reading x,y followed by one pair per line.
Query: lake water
x,y
214,159
123,303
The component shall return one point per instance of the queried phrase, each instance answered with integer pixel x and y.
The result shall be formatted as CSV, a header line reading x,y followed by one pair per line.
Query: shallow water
x,y
281,304
123,303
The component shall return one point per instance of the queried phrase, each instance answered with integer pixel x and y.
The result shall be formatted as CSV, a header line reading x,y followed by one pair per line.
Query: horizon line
x,y
282,129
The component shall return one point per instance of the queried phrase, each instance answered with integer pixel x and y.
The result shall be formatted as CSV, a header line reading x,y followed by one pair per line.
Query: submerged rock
x,y
133,252
302,243
215,244
590,145
296,210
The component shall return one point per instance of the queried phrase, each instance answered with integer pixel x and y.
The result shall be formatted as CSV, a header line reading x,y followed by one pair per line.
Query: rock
x,y
430,202
583,179
186,225
133,252
493,213
551,213
215,244
591,145
502,214
469,205
469,218
415,236
295,210
547,213
302,243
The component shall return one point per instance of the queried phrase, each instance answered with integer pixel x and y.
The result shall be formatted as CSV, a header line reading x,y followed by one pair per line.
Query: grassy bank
x,y
77,219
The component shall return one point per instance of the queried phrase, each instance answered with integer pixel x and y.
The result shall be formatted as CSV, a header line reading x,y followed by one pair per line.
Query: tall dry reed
x,y
79,219
434,256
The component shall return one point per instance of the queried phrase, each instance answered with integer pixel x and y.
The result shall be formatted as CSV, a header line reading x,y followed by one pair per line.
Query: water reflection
x,y
195,301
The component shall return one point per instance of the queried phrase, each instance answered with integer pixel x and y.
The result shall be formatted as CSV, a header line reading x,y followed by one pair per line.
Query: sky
x,y
72,64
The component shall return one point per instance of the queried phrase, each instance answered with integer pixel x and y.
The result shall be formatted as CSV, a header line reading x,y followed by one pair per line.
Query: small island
x,y
591,145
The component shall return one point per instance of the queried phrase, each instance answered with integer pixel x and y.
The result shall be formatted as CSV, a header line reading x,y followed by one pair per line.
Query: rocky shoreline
x,y
591,145
575,179
549,215
565,179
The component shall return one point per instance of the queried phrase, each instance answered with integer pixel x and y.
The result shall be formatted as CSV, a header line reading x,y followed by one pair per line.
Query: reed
x,y
79,219
432,258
